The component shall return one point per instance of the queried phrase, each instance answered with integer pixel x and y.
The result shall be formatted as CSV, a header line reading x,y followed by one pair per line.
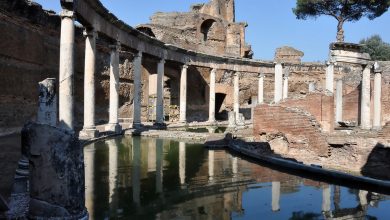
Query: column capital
x,y
90,32
214,70
65,13
161,60
261,75
236,73
276,63
115,46
377,68
185,66
138,54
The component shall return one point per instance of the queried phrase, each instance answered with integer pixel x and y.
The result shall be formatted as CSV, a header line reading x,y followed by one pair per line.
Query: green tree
x,y
341,10
377,49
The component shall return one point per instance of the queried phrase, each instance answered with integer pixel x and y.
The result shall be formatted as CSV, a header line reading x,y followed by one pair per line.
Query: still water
x,y
144,178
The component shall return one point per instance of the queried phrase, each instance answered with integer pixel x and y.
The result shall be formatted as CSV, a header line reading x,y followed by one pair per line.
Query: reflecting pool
x,y
145,178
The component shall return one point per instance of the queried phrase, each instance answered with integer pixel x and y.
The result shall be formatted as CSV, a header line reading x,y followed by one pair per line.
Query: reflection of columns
x,y
89,159
212,96
363,197
377,124
339,100
326,197
237,95
136,172
329,76
365,110
235,166
211,165
89,129
66,79
260,94
275,196
285,85
159,165
114,90
183,94
112,168
182,162
278,82
137,90
160,92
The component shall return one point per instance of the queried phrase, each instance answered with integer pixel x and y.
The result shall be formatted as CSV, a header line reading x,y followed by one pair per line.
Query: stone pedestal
x,y
365,110
89,129
47,110
260,94
113,125
278,82
137,90
66,79
160,93
377,123
212,96
183,94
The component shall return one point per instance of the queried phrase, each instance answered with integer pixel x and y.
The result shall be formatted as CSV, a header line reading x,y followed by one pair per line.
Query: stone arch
x,y
206,28
147,30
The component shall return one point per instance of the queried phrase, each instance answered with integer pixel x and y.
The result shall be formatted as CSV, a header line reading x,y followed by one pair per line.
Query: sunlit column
x,y
237,95
182,162
112,168
89,160
285,85
160,92
137,90
212,96
260,95
326,197
183,94
136,172
377,124
278,82
66,78
329,81
339,100
365,109
275,196
159,165
211,166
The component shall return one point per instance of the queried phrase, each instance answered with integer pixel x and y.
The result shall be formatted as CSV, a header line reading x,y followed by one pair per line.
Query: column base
x,y
89,133
136,125
377,128
116,128
160,125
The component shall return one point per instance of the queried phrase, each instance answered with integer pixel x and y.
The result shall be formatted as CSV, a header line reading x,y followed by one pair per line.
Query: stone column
x,y
312,86
285,85
137,90
114,90
212,96
278,82
160,92
183,94
339,100
66,79
275,196
329,77
47,110
260,94
377,124
89,129
365,110
237,95
182,163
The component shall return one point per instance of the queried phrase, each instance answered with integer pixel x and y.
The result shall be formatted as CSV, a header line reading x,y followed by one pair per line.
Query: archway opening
x,y
206,28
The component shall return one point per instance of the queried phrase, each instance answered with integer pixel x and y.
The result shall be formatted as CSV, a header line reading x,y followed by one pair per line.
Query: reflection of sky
x,y
164,178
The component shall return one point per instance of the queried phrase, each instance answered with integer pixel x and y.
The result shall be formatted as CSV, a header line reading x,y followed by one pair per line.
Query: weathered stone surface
x,y
288,55
56,172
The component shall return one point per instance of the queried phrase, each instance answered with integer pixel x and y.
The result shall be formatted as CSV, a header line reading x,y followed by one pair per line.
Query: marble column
x,y
275,196
159,165
326,197
377,124
136,170
365,109
329,77
89,129
66,78
113,124
285,85
339,100
183,94
160,92
278,82
137,90
211,166
260,94
182,163
237,95
312,86
212,96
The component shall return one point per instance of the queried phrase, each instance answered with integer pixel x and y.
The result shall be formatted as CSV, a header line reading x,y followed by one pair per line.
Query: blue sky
x,y
271,24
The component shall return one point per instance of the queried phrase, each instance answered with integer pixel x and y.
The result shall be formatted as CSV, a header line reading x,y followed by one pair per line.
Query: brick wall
x,y
291,122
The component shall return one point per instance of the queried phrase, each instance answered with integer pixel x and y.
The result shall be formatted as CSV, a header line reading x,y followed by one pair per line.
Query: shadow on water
x,y
146,178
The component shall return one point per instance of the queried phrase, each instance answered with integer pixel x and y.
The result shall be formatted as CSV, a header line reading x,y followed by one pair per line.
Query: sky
x,y
272,24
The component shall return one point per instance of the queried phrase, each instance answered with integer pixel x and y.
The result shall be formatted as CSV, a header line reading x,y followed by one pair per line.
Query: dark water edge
x,y
146,178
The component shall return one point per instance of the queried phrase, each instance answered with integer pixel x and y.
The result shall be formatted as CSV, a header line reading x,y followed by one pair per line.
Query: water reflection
x,y
162,179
